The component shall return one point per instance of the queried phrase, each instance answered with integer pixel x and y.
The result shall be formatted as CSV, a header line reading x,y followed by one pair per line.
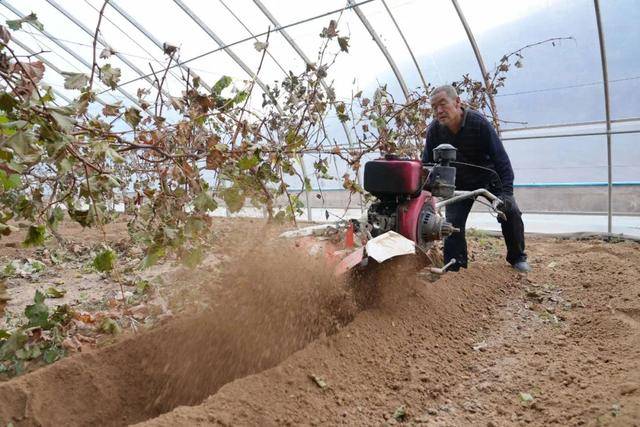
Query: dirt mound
x,y
271,302
481,347
283,343
410,347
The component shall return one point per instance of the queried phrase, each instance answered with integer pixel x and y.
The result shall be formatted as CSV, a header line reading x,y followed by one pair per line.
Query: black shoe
x,y
522,266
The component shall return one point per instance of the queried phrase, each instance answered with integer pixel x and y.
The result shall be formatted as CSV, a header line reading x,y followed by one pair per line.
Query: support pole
x,y
70,51
381,46
485,75
605,78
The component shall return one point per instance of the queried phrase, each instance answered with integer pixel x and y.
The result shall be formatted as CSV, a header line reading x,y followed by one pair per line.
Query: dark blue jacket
x,y
478,144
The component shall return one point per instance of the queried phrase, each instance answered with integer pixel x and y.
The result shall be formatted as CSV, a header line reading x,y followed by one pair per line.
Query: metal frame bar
x,y
406,43
246,39
105,44
300,159
247,70
48,64
381,46
485,75
148,35
237,18
571,135
523,185
605,78
283,32
577,184
306,60
228,50
564,125
564,135
68,50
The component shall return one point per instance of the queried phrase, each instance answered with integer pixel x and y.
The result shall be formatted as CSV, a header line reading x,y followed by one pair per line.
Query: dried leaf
x,y
53,292
141,93
330,31
110,76
132,116
107,52
112,110
344,43
83,317
169,49
30,70
75,80
260,46
110,326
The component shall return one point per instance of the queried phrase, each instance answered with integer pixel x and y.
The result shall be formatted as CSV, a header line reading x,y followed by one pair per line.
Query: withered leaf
x,y
110,76
107,52
344,43
260,46
75,80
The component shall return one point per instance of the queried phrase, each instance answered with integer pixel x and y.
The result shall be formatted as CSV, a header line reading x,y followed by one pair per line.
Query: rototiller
x,y
404,217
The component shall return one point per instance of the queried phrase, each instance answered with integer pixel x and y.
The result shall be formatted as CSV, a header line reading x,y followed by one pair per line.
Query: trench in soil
x,y
271,304
253,327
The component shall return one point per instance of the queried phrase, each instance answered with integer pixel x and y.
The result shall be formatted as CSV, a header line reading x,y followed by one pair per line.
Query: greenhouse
x,y
261,212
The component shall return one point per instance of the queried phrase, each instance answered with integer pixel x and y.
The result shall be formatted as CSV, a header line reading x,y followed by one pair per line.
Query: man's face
x,y
446,110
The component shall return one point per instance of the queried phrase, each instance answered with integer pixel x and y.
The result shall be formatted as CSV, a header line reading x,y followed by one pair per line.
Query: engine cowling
x,y
391,177
432,226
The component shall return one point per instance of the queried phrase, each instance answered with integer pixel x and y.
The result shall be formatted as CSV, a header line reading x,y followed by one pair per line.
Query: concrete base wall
x,y
626,199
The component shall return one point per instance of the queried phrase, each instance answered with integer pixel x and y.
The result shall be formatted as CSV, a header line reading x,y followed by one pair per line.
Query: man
x,y
478,144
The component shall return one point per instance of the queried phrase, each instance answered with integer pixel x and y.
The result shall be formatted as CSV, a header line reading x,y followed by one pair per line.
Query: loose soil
x,y
280,342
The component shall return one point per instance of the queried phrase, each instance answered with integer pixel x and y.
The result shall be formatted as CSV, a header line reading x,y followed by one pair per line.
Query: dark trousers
x,y
455,246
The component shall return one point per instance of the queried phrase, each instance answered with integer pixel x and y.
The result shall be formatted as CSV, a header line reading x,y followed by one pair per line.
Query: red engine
x,y
403,205
390,177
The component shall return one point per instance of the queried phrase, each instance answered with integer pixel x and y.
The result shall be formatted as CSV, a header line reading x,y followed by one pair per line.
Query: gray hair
x,y
448,89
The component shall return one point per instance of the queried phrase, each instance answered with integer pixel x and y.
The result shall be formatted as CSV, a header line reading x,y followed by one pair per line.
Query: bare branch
x,y
95,43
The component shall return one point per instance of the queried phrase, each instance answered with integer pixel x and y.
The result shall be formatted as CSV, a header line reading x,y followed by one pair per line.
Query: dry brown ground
x,y
283,344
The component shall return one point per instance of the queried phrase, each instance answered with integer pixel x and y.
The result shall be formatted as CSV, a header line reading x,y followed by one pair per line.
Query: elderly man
x,y
478,144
